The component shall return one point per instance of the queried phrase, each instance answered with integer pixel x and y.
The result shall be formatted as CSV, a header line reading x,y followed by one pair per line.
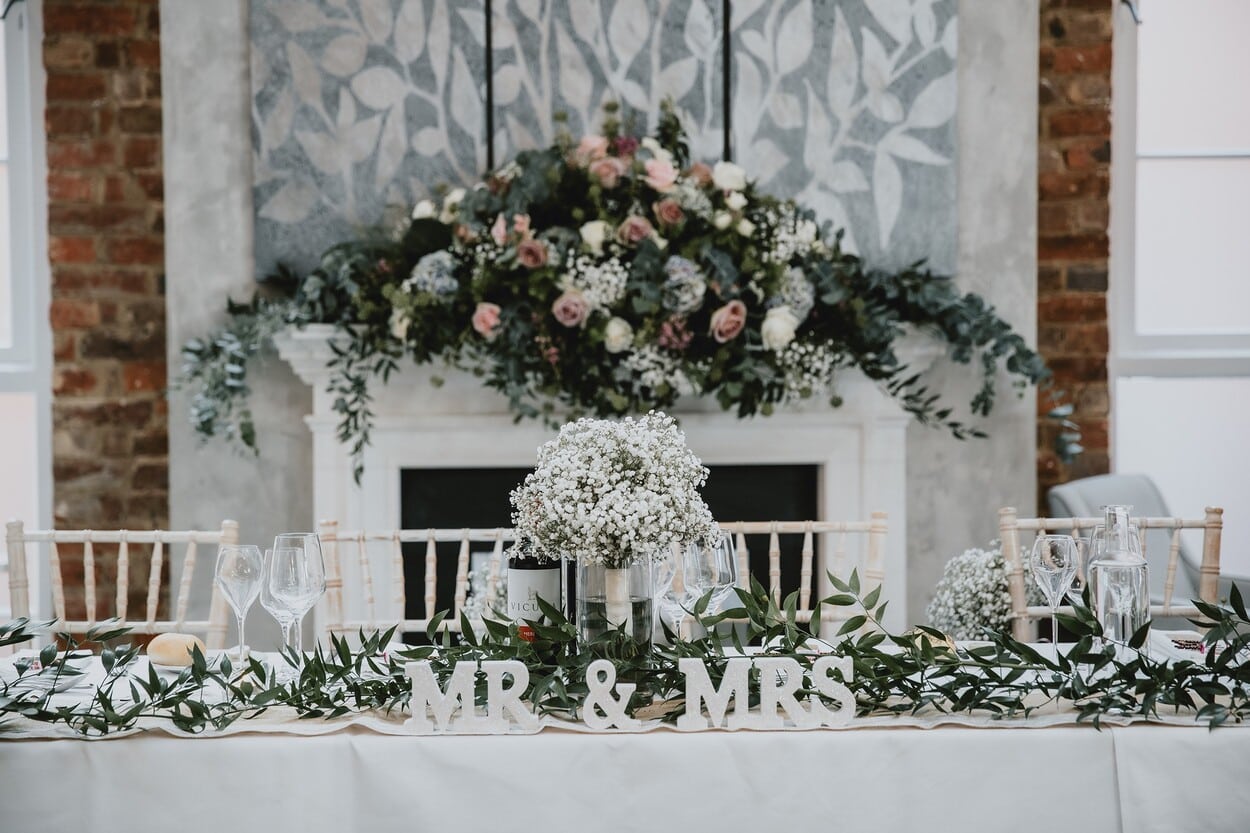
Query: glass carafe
x,y
1118,576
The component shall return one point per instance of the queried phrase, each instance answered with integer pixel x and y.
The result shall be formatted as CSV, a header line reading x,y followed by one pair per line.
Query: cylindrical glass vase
x,y
616,602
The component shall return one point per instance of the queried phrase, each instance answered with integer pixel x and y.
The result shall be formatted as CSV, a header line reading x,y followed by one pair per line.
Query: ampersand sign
x,y
603,710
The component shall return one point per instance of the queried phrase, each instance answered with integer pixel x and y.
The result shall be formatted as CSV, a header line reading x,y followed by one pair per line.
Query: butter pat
x,y
174,649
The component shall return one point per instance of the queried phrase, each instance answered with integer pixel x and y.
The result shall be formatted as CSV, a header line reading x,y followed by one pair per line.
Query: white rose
x,y
729,177
745,227
736,200
451,205
722,220
400,322
594,234
618,335
778,328
424,210
657,151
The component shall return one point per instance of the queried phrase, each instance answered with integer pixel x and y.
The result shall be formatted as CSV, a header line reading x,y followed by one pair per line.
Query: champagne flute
x,y
299,577
1054,563
238,575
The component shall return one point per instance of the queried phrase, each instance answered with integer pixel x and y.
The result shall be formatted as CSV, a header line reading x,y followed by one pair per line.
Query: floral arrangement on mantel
x,y
610,275
613,493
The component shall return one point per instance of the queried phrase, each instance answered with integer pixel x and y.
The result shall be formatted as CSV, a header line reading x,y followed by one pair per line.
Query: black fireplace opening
x,y
454,498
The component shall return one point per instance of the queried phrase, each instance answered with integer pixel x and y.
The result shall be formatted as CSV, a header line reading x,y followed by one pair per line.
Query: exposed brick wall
x,y
106,245
1074,156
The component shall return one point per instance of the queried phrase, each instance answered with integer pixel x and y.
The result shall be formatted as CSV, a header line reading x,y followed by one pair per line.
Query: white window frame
x,y
1134,353
26,366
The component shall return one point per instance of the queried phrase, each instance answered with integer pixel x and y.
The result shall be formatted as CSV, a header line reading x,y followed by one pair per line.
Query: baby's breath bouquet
x,y
972,595
613,493
615,496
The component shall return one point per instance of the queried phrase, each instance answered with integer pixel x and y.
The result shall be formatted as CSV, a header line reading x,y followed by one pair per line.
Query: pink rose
x,y
521,225
531,253
700,173
674,335
570,309
625,146
728,321
668,212
486,320
634,230
499,231
464,233
590,148
660,174
608,171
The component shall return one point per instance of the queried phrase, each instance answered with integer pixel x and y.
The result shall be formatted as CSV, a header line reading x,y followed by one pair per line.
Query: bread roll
x,y
174,649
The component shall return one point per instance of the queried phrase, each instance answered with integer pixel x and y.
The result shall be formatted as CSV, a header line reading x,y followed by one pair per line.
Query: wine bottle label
x,y
525,587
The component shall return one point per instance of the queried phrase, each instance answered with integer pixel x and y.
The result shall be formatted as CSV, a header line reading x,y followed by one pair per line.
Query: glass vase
x,y
614,608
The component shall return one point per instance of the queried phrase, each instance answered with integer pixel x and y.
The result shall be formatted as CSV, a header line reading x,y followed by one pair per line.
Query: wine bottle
x,y
530,579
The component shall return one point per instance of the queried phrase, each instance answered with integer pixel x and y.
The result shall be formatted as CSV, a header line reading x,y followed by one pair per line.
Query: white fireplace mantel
x,y
860,447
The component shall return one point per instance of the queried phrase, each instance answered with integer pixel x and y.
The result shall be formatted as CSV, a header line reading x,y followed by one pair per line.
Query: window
x,y
1180,258
25,337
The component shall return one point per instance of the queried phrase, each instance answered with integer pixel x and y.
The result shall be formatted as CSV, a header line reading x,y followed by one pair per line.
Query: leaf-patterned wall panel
x,y
357,105
573,55
849,106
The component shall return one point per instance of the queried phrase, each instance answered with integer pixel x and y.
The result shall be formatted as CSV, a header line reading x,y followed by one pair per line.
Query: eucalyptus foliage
x,y
916,673
610,276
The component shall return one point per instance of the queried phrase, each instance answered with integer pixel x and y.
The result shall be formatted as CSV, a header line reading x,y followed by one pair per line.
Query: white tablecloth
x,y
1135,779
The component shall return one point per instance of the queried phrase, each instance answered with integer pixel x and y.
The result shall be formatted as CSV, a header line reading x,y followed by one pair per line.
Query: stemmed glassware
x,y
239,574
278,609
296,579
711,569
1054,563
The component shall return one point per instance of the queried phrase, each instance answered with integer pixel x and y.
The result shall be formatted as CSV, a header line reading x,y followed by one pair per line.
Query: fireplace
x,y
853,458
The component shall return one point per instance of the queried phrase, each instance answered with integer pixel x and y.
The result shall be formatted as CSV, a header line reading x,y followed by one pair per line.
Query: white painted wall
x,y
1192,437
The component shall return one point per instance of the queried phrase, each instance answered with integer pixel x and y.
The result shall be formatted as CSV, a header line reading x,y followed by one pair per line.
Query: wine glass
x,y
1080,578
238,575
277,608
1054,563
671,594
298,577
711,569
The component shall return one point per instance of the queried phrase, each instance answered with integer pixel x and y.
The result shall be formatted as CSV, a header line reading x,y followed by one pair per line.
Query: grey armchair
x,y
1084,498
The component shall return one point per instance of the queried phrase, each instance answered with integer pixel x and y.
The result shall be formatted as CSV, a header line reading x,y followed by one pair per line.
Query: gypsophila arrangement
x,y
613,493
972,596
611,274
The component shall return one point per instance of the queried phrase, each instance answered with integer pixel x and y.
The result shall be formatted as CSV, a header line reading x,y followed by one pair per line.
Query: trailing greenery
x,y
609,276
916,673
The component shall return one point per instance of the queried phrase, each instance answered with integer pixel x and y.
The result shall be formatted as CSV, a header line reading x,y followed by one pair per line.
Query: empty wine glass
x,y
671,594
1054,562
1081,577
297,577
277,608
239,574
711,569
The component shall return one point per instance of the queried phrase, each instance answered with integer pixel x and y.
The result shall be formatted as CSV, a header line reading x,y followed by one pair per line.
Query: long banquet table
x,y
1036,775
